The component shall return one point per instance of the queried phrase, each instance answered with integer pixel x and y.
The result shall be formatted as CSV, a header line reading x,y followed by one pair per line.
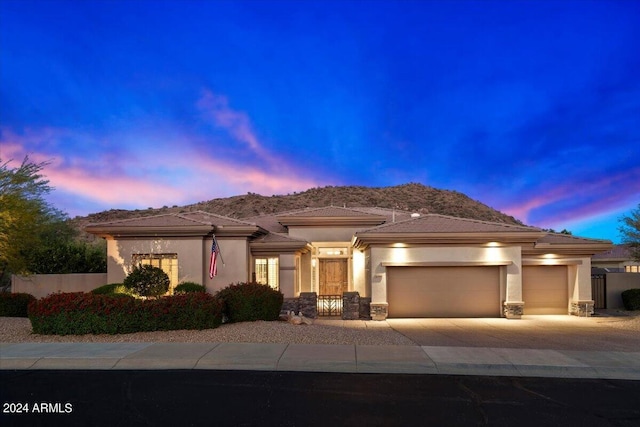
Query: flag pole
x,y
219,249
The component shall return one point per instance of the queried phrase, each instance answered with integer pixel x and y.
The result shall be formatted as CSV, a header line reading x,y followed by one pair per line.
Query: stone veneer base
x,y
379,310
582,308
513,309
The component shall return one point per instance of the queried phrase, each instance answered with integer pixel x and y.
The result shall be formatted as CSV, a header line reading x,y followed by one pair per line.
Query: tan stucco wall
x,y
235,253
323,234
618,283
193,259
358,268
287,271
41,285
190,261
305,272
511,277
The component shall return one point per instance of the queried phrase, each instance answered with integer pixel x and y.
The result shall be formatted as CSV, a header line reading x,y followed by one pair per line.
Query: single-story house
x,y
616,260
409,265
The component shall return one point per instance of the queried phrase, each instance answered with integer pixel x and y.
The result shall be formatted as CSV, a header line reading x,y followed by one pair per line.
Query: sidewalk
x,y
323,358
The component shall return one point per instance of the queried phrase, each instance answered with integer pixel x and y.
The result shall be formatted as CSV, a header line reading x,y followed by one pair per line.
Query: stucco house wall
x,y
188,249
233,263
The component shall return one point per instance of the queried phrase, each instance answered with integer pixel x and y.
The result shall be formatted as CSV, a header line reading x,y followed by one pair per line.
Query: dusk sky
x,y
531,107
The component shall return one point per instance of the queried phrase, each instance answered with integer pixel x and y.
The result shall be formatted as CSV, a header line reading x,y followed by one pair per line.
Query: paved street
x,y
251,398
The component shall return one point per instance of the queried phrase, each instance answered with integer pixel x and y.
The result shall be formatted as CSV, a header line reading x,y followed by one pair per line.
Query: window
x,y
267,271
632,268
167,262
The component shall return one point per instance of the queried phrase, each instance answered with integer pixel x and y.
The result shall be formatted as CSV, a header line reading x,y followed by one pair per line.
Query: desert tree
x,y
630,232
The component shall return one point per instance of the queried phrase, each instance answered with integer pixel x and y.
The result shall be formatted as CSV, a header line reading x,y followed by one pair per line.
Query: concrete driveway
x,y
599,333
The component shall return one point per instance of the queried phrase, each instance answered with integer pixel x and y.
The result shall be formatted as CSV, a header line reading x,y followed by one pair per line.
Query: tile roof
x,y
326,212
617,252
270,221
278,238
196,218
164,220
434,223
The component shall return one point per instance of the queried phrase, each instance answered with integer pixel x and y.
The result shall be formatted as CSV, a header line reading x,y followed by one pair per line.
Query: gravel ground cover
x,y
323,331
15,329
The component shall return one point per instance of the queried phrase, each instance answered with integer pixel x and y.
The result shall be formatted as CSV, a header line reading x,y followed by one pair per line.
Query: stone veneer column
x,y
582,308
308,304
379,310
350,306
513,309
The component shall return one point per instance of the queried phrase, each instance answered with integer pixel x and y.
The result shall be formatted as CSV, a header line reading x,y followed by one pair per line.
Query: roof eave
x,y
279,247
583,248
361,241
117,231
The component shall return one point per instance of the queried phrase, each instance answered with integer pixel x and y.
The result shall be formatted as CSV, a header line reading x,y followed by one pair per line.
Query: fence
x,y
606,289
41,285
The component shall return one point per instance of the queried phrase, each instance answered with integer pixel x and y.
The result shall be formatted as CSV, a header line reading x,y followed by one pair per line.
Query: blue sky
x,y
532,107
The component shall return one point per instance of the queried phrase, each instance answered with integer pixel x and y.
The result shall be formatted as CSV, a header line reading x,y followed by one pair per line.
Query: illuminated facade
x,y
409,265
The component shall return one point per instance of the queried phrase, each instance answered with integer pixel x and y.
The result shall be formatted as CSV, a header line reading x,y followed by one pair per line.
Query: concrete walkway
x,y
524,362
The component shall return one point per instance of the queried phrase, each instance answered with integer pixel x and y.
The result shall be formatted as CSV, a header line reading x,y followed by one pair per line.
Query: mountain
x,y
408,197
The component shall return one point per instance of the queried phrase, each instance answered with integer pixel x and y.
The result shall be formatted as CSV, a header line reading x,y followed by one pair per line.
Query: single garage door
x,y
443,291
545,289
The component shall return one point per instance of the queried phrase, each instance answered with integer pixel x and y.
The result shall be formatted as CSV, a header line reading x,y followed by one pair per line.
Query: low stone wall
x,y
41,285
354,307
308,304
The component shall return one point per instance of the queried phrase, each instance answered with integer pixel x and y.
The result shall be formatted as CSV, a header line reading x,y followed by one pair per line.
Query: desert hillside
x,y
409,197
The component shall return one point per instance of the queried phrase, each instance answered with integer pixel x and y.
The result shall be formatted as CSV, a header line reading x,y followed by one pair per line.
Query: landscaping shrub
x,y
14,305
246,302
631,299
110,289
80,313
147,281
189,287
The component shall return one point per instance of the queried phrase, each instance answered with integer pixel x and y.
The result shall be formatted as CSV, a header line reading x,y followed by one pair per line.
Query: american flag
x,y
213,267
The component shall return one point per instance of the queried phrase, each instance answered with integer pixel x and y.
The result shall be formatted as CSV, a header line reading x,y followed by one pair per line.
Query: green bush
x,y
14,305
147,281
186,287
245,302
80,313
631,299
112,288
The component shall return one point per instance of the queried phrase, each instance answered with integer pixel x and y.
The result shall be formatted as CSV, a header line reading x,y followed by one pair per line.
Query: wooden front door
x,y
333,276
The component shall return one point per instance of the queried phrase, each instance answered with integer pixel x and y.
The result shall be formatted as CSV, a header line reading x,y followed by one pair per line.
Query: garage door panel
x,y
443,291
545,289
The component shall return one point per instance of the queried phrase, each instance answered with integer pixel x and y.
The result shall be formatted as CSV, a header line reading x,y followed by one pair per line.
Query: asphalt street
x,y
268,398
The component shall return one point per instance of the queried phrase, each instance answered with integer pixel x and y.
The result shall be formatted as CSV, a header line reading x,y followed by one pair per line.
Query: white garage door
x,y
443,291
545,289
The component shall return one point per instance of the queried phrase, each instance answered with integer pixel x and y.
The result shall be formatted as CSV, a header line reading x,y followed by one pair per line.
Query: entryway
x,y
333,281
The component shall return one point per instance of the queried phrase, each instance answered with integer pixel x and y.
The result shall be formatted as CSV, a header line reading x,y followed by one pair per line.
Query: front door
x,y
333,276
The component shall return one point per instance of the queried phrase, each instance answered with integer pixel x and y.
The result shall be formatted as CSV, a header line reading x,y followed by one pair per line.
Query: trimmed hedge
x,y
80,313
186,287
631,299
14,305
247,302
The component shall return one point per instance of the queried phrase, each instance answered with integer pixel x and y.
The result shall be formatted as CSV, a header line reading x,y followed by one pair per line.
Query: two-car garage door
x,y
469,291
472,291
